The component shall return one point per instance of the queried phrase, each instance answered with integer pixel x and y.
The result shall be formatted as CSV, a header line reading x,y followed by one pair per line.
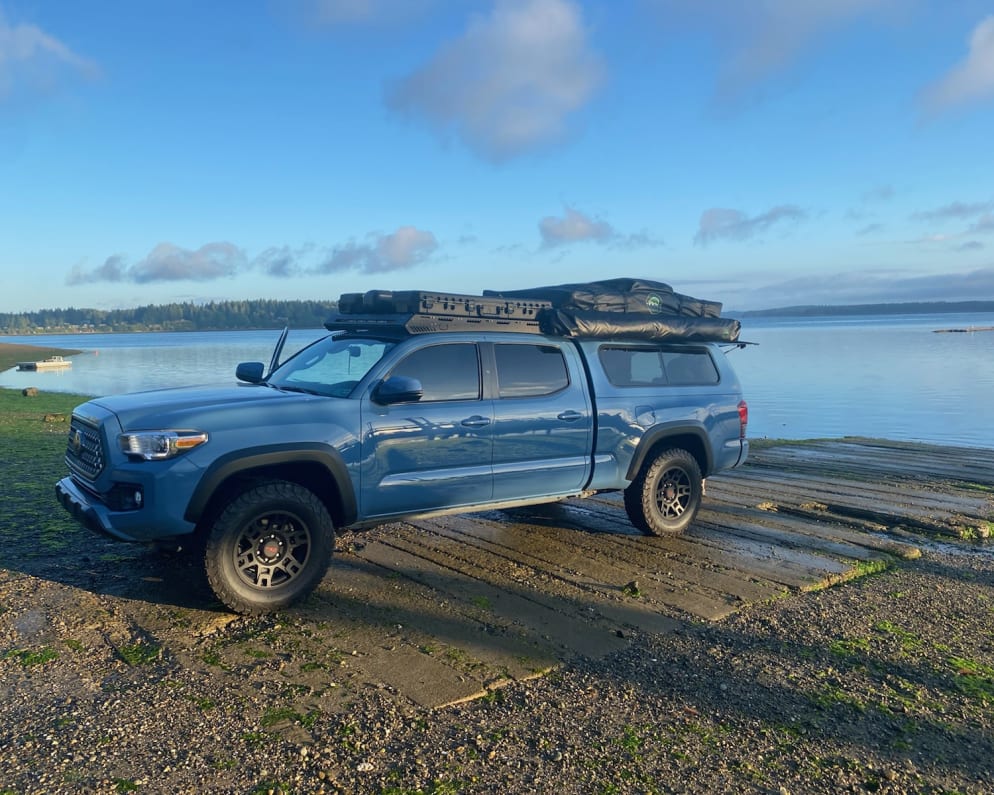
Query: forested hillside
x,y
213,316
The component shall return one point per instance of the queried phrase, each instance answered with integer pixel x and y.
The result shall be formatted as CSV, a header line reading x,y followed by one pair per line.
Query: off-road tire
x,y
269,547
666,494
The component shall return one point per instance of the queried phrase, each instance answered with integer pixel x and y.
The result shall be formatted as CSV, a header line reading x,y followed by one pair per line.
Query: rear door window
x,y
530,370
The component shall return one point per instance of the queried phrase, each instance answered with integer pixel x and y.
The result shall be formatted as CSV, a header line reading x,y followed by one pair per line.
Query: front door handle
x,y
571,416
476,421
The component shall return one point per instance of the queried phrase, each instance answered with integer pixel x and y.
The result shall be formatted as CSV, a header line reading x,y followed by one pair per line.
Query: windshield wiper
x,y
284,388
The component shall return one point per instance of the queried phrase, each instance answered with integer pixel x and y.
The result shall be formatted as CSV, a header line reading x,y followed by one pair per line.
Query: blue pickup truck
x,y
396,415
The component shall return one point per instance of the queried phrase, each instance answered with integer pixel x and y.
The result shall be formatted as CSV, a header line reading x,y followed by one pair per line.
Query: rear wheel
x,y
269,548
665,496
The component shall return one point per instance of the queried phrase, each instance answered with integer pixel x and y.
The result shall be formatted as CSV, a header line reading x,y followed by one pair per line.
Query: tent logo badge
x,y
654,304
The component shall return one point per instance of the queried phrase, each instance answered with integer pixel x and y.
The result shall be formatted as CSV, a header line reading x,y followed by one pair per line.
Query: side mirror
x,y
398,389
252,372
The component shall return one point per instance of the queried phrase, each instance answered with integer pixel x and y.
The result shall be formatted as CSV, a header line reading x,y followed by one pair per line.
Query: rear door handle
x,y
476,421
571,416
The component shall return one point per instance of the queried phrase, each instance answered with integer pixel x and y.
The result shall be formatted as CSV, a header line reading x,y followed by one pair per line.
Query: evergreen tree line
x,y
213,316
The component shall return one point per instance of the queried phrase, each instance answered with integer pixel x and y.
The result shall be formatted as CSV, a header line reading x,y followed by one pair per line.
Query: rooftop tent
x,y
617,295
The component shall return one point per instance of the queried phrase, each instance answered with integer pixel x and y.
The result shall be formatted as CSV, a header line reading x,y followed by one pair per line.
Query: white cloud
x,y
402,249
281,261
578,227
984,224
168,263
510,82
33,59
956,210
113,270
972,80
719,223
573,227
761,38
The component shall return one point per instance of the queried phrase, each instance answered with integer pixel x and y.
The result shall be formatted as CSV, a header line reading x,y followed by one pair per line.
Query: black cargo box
x,y
617,295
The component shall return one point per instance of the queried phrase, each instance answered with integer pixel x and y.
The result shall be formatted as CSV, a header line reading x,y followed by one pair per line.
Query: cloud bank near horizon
x,y
864,287
379,253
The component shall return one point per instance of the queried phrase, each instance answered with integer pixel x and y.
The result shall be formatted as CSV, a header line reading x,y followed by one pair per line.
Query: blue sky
x,y
757,152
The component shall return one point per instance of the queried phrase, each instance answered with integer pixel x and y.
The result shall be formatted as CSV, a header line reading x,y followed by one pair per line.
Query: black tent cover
x,y
626,309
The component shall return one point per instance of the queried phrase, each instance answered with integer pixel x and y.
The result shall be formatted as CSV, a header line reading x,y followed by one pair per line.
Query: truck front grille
x,y
84,450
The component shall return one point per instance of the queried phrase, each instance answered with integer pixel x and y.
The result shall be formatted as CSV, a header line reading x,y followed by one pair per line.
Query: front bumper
x,y
89,513
97,516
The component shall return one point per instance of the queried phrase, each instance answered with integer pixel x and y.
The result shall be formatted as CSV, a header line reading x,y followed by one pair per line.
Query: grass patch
x,y
32,461
973,679
984,488
849,647
866,568
139,653
28,658
909,640
277,715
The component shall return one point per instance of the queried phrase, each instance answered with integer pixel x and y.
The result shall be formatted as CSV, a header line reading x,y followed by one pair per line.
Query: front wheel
x,y
665,496
269,548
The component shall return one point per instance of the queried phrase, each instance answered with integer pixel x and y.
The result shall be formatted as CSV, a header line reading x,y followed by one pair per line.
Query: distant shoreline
x,y
812,312
862,310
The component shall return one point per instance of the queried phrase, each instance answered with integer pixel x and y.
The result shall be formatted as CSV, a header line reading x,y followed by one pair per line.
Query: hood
x,y
193,407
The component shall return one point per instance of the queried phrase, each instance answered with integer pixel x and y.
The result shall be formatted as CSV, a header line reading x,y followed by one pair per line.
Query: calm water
x,y
888,377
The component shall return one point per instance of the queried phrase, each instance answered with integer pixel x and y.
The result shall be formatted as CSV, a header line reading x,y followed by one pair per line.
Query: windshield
x,y
331,366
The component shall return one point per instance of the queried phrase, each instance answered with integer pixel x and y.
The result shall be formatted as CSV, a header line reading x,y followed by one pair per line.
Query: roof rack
x,y
401,324
404,312
594,311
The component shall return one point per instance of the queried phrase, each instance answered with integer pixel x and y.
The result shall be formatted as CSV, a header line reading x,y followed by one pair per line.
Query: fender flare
x,y
658,433
238,461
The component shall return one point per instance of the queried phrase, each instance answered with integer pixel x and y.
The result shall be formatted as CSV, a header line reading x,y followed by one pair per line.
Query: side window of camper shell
x,y
639,365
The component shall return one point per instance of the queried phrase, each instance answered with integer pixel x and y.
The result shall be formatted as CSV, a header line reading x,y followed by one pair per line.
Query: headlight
x,y
155,445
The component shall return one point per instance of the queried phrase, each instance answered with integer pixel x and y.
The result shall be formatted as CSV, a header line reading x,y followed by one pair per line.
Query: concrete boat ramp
x,y
445,610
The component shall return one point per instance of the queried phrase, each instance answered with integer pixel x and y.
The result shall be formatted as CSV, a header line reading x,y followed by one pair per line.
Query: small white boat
x,y
51,363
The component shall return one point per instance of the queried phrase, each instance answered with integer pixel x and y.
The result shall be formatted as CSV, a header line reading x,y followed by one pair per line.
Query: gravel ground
x,y
884,684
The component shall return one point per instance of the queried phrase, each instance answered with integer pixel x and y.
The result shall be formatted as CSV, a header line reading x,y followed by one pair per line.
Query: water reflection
x,y
115,363
881,377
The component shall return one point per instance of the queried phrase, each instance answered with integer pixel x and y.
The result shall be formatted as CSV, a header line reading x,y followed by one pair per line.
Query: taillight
x,y
743,418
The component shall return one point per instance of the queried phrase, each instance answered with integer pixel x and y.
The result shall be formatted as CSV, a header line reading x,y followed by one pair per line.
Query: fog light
x,y
125,497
